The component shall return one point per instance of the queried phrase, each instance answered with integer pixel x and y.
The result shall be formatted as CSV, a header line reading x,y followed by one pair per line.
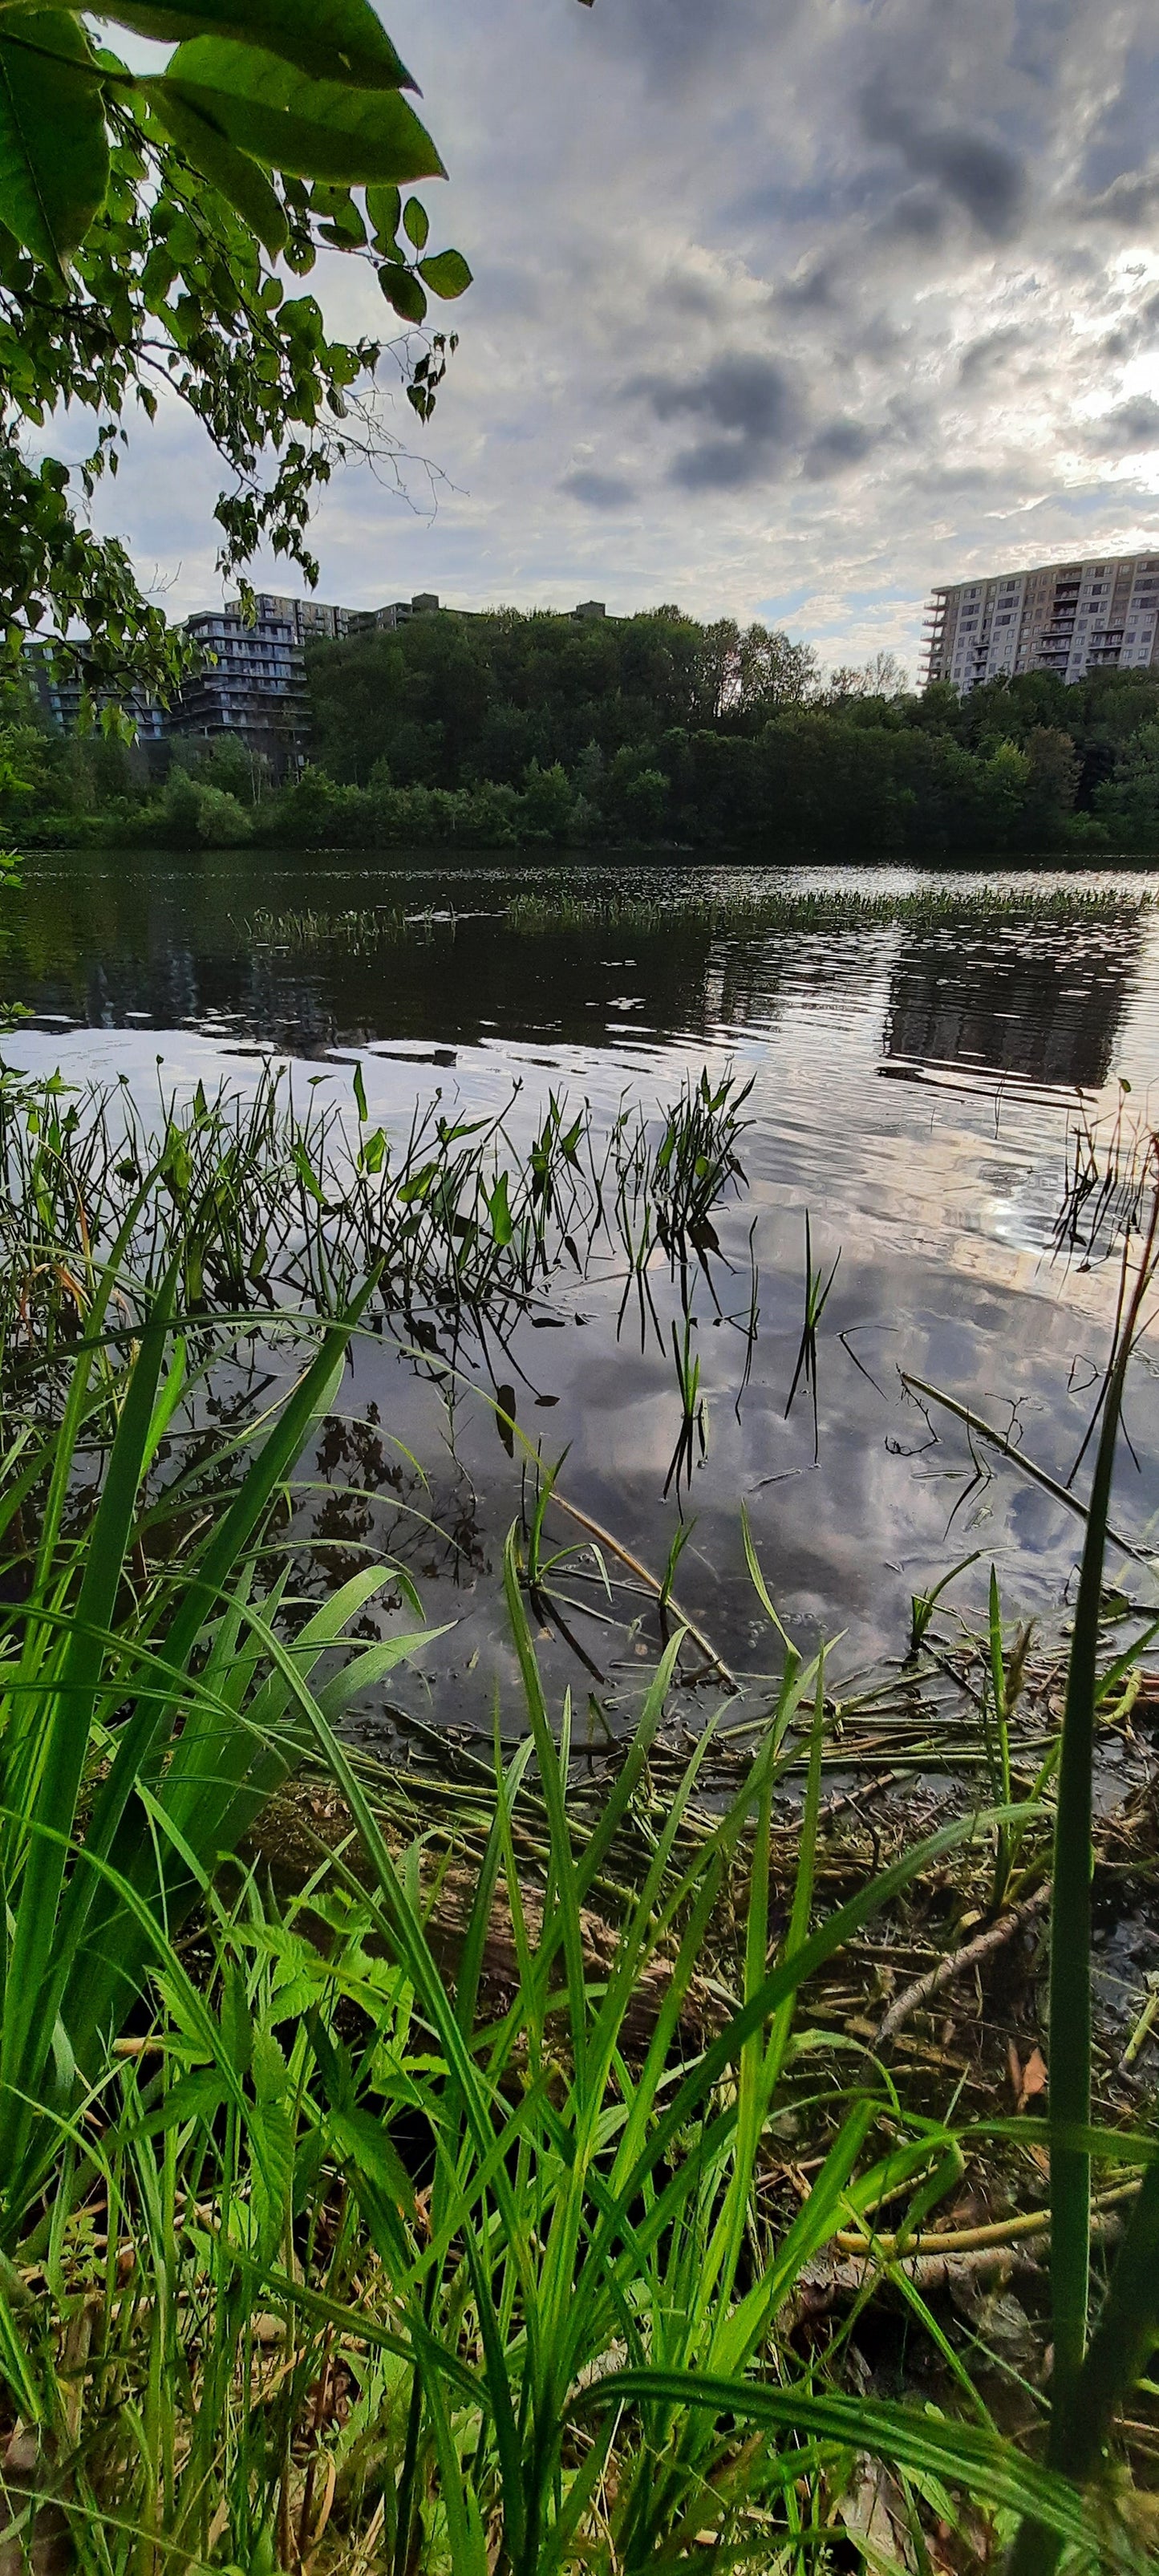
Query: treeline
x,y
507,731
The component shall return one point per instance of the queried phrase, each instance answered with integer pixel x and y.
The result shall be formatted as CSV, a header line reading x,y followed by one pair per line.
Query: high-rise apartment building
x,y
59,695
252,680
1070,618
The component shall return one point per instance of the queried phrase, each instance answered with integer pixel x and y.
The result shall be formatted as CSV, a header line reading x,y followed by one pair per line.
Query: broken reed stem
x,y
1009,1448
653,1582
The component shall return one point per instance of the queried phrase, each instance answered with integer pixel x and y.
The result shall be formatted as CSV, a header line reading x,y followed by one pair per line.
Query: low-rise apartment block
x,y
1070,618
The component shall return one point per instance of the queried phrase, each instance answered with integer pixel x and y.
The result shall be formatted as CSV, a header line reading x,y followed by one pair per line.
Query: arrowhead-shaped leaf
x,y
232,173
315,129
338,40
54,154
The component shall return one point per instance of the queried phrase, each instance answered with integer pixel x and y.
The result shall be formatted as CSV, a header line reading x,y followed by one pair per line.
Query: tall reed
x,y
1089,2382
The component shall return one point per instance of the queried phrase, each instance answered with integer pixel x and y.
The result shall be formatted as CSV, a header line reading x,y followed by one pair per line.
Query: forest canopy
x,y
502,730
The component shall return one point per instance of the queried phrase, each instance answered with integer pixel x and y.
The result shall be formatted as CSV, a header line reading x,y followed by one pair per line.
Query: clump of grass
x,y
356,932
348,2266
140,1731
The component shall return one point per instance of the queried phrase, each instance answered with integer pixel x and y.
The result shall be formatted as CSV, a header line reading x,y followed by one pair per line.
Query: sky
x,y
784,309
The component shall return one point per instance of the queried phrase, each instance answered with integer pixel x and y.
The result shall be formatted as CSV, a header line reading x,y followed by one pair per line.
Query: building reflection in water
x,y
1041,1001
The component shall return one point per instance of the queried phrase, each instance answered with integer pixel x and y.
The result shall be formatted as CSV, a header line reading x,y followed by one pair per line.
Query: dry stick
x,y
947,1969
1010,1449
654,1585
970,2240
825,2281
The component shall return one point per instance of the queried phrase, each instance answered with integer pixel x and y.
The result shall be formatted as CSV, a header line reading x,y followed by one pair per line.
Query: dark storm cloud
x,y
835,450
753,411
920,216
598,491
969,167
1128,430
812,290
676,38
685,291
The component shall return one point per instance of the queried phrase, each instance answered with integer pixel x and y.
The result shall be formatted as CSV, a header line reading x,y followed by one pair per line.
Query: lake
x,y
920,1068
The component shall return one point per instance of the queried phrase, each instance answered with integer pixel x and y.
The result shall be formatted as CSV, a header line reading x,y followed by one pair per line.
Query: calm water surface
x,y
915,1086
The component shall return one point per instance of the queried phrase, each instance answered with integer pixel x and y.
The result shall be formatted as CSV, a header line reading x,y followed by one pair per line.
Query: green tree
x,y
1128,802
147,220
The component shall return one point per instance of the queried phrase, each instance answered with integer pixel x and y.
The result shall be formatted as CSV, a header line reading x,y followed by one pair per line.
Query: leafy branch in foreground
x,y
147,220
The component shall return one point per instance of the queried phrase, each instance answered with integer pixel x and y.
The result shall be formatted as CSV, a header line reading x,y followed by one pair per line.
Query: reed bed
x,y
738,915
358,931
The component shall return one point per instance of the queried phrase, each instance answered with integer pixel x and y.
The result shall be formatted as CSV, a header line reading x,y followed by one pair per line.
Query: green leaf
x,y
446,273
383,209
362,2141
316,129
403,291
416,223
54,155
232,173
338,40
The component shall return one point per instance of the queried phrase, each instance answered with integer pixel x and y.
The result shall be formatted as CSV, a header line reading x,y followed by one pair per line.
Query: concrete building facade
x,y
1071,618
58,695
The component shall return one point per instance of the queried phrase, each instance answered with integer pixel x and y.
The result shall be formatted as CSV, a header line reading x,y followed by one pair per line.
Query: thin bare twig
x,y
946,1970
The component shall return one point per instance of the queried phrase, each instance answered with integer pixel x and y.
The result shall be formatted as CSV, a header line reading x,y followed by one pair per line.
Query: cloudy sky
x,y
784,308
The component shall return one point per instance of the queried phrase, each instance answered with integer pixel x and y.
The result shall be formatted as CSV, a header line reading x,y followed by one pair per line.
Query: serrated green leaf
x,y
338,40
316,129
362,2142
232,173
54,154
416,223
403,291
446,273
